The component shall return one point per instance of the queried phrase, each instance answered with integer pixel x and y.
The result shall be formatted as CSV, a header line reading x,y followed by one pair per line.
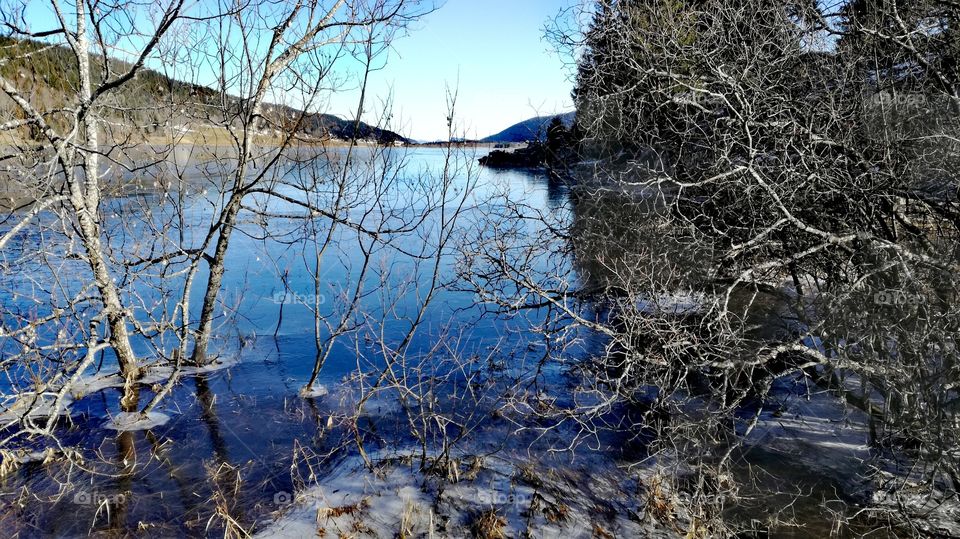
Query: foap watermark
x,y
282,498
896,297
700,98
293,298
886,99
98,498
501,493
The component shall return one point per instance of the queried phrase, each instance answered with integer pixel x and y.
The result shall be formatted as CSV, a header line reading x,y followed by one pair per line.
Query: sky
x,y
492,51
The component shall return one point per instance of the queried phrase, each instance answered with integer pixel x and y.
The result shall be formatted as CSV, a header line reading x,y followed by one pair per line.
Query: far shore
x,y
18,195
216,137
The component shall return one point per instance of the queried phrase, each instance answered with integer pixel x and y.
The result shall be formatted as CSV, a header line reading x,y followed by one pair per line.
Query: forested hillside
x,y
154,103
529,130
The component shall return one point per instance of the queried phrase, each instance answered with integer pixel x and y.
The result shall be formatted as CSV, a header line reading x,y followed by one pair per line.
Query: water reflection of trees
x,y
623,241
692,359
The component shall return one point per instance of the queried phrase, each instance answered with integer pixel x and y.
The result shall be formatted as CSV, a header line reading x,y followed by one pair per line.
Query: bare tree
x,y
775,205
68,164
88,137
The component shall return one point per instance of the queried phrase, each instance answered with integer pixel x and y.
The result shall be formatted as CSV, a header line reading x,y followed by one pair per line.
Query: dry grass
x,y
474,467
600,533
342,510
408,520
226,481
353,527
659,504
528,473
488,525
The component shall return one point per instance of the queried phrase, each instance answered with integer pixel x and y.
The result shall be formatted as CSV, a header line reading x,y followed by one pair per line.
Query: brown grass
x,y
488,525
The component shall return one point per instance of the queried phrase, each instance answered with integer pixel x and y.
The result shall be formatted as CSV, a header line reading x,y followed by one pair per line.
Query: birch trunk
x,y
85,200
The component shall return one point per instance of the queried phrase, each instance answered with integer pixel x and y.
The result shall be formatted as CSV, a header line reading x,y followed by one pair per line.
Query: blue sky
x,y
492,51
507,72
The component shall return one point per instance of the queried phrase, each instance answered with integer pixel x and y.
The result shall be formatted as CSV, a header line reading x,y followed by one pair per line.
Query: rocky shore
x,y
533,156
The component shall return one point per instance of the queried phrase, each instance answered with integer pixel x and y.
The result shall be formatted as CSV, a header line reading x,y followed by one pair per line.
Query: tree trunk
x,y
215,281
86,202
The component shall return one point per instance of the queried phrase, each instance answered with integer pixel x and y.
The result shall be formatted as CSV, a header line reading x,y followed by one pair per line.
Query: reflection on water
x,y
227,454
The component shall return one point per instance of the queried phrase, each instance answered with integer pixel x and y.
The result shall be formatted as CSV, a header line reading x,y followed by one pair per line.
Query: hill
x,y
48,77
335,127
528,130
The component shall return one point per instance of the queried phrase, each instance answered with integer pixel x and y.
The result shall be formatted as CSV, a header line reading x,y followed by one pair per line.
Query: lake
x,y
441,360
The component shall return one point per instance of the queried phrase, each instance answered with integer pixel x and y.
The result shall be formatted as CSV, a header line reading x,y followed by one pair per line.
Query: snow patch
x,y
398,500
314,392
30,405
213,366
133,421
152,374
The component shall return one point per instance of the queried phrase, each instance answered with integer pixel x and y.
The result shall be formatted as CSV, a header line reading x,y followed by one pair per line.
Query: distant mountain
x,y
532,129
319,125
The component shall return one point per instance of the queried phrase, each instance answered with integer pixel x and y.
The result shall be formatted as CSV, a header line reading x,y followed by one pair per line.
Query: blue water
x,y
247,421
237,438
